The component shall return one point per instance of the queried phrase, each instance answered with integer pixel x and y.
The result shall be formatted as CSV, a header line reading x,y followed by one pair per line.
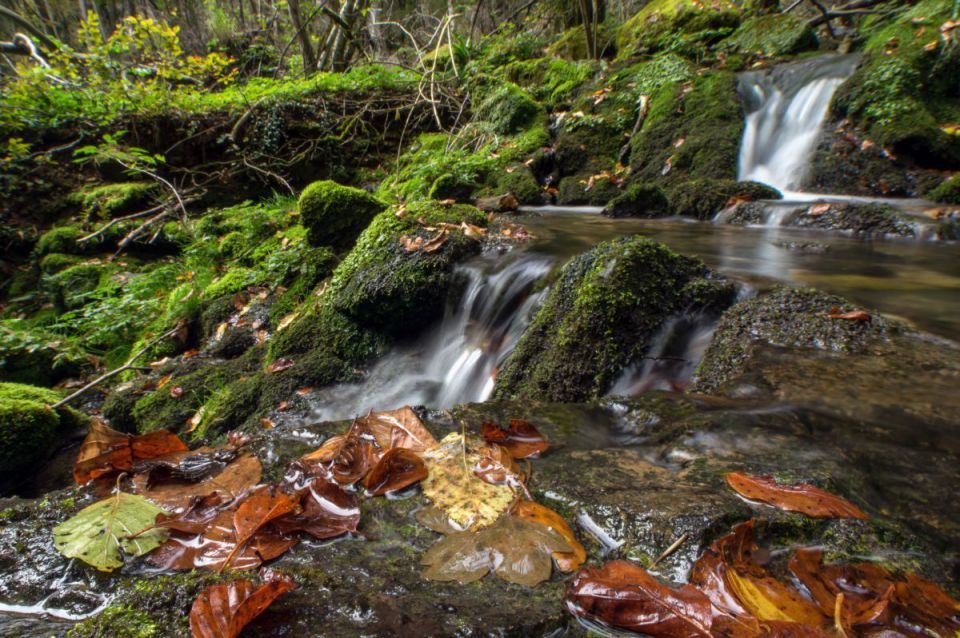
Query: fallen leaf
x,y
105,451
97,534
189,354
280,365
397,428
853,315
516,550
267,423
302,392
233,480
818,210
452,485
802,497
397,469
498,467
223,610
626,596
437,242
287,320
326,511
536,513
522,439
766,598
176,392
259,508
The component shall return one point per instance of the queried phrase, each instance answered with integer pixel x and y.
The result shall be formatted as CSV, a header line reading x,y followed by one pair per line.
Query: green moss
x,y
773,35
552,81
509,109
704,198
691,133
639,200
71,287
34,356
572,43
686,27
600,316
121,621
334,215
948,192
521,184
234,245
576,190
587,145
55,262
62,239
29,427
112,200
455,187
233,281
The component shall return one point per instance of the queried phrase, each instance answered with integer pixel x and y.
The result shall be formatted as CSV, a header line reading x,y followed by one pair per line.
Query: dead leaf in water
x,y
516,550
233,480
397,469
326,511
802,497
105,451
853,315
522,439
536,513
626,596
223,610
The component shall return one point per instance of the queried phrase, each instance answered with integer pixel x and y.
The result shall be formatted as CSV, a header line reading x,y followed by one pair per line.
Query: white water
x,y
786,107
459,362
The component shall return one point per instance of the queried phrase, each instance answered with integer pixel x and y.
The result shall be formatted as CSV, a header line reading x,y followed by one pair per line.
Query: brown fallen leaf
x,y
436,243
521,438
853,315
516,550
802,497
259,508
326,511
229,483
498,467
536,513
397,469
224,609
397,428
280,365
106,452
625,596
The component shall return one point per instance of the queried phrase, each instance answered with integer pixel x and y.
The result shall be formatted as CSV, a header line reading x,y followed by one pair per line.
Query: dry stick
x,y
136,232
270,174
676,545
143,213
641,116
109,375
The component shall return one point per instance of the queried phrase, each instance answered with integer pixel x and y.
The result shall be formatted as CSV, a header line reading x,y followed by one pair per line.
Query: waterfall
x,y
458,361
786,106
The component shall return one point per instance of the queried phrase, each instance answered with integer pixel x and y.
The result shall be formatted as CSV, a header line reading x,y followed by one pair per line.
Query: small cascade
x,y
786,107
459,361
669,364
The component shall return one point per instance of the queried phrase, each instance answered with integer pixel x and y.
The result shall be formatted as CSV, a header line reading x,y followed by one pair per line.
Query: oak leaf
x,y
802,497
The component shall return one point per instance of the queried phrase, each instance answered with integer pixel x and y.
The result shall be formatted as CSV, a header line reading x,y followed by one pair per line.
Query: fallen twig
x,y
670,550
109,375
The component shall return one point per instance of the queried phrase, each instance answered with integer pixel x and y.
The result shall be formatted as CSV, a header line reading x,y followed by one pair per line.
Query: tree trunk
x,y
303,33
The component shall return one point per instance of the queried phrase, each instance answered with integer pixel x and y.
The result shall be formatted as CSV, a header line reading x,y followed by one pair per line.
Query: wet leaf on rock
x,y
626,596
223,610
802,497
105,451
541,515
280,365
233,480
397,469
326,511
98,533
522,439
256,510
452,485
498,467
516,550
397,428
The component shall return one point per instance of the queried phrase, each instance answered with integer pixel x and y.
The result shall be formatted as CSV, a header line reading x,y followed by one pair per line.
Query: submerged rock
x,y
601,315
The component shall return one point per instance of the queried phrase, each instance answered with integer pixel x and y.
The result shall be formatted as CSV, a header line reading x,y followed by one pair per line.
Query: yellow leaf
x,y
769,599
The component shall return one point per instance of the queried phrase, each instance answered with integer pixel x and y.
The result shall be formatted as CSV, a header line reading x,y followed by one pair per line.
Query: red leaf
x,y
522,439
853,315
222,611
397,469
802,497
106,451
259,508
280,365
623,595
498,467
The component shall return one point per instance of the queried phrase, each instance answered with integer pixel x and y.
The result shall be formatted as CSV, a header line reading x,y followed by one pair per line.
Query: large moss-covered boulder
x,y
601,315
29,426
105,201
907,89
690,132
947,192
773,35
334,215
686,27
639,200
509,109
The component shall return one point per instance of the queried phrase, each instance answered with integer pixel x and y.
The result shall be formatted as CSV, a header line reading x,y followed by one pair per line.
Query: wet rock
x,y
704,198
584,189
334,215
600,316
845,162
865,220
947,192
639,200
498,203
509,108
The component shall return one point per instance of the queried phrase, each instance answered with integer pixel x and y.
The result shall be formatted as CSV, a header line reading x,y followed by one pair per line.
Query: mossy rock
x,y
863,220
521,184
334,215
552,81
71,287
639,200
600,317
773,35
690,134
233,281
686,27
29,428
106,201
62,239
948,192
576,190
572,43
55,262
456,187
35,357
704,198
906,91
784,317
509,109
590,146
